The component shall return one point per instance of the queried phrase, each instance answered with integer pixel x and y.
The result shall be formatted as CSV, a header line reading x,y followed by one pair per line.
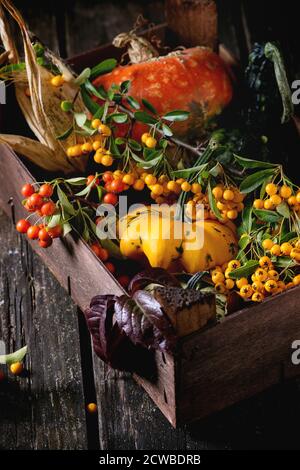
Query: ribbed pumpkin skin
x,y
142,241
194,80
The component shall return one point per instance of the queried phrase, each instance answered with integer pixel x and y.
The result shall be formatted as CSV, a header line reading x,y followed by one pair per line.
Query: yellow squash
x,y
149,234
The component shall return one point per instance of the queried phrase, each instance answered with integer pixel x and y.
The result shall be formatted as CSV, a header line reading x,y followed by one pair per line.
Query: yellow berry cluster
x,y
276,195
194,212
229,201
291,249
149,141
265,281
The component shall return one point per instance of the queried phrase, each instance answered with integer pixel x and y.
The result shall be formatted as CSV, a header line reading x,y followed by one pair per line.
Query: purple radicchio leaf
x,y
142,319
152,276
111,343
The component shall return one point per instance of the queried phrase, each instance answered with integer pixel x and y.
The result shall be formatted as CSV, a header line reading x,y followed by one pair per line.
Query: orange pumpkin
x,y
195,80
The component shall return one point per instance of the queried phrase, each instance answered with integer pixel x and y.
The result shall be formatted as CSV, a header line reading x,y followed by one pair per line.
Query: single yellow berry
x,y
243,281
96,123
271,189
104,130
271,286
261,275
98,156
174,187
276,250
196,188
77,152
91,408
70,151
296,280
150,180
258,204
232,214
265,262
286,249
228,195
86,148
217,269
268,205
151,142
234,264
107,160
292,201
276,200
97,145
128,179
220,288
218,277
221,206
139,185
267,244
57,81
16,368
246,291
285,192
295,254
227,273
229,283
157,189
298,197
145,136
258,286
186,187
257,297
217,192
272,274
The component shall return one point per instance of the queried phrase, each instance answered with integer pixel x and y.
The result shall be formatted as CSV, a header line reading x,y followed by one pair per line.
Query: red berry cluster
x,y
40,203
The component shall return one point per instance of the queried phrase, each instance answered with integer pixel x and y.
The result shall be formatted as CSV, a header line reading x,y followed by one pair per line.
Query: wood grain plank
x,y
45,408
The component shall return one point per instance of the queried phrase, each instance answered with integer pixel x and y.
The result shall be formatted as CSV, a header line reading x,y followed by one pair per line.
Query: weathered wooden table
x,y
46,408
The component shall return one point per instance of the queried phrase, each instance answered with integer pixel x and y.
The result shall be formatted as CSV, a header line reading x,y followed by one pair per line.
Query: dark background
x,y
46,408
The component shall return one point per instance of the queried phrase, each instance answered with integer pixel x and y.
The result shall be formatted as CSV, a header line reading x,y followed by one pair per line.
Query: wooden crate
x,y
214,368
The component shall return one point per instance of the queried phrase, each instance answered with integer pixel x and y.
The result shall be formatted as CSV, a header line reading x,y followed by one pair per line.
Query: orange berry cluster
x,y
265,281
40,203
229,201
276,195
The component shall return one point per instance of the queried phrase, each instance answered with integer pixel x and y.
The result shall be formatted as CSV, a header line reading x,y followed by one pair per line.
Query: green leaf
x,y
244,271
124,87
147,164
166,130
253,181
267,216
85,75
16,356
217,170
54,220
66,228
119,118
176,116
141,116
288,236
86,190
149,106
133,102
100,192
149,154
65,134
283,209
285,262
212,202
79,181
105,66
80,119
93,90
247,219
91,105
248,163
13,68
66,206
114,149
244,241
188,171
134,145
120,141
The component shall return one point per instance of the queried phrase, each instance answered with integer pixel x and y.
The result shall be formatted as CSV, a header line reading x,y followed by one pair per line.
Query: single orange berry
x,y
16,368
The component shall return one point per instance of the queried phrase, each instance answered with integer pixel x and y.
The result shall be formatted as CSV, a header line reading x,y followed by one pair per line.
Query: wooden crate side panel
x,y
247,353
75,266
162,390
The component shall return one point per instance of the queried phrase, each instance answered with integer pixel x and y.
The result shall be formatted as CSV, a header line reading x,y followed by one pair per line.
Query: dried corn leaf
x,y
42,110
36,152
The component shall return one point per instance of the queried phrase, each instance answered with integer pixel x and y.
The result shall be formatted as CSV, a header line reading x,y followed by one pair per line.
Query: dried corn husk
x,y
42,110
